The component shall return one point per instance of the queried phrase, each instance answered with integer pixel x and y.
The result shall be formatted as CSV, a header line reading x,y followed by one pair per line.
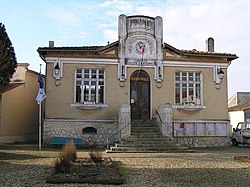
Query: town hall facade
x,y
95,93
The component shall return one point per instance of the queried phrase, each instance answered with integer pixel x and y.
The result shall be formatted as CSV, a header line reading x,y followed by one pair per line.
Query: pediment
x,y
110,49
169,53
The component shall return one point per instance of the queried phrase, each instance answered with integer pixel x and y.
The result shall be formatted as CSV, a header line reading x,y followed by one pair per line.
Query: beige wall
x,y
214,100
19,115
60,98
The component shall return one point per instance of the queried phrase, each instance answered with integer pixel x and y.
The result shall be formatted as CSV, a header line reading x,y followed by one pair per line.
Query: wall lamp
x,y
57,75
159,73
219,74
158,76
122,76
57,70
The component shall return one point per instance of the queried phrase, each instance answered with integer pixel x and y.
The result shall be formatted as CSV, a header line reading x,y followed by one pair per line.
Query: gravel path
x,y
25,165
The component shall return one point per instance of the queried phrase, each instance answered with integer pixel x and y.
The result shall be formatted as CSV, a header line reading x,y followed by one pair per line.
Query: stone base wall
x,y
214,141
106,130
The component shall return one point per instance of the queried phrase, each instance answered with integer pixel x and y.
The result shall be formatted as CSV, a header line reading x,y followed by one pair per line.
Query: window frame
x,y
189,104
89,104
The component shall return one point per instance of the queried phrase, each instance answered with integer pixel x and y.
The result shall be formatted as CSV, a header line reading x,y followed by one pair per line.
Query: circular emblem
x,y
140,47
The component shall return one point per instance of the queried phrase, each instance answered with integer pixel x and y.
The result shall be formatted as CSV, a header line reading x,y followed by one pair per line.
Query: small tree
x,y
8,61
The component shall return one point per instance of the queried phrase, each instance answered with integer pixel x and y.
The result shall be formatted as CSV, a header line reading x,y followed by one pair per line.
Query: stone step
x,y
140,121
147,149
141,144
142,138
145,128
146,144
144,125
146,136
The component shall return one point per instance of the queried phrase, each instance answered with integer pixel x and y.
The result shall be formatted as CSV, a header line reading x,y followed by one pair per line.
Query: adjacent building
x,y
18,108
239,108
96,92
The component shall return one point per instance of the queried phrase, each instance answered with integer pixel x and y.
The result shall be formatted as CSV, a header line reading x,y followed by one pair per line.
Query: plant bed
x,y
243,158
85,170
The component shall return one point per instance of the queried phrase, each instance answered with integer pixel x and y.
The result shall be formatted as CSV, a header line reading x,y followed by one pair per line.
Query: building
x,y
18,108
239,108
94,92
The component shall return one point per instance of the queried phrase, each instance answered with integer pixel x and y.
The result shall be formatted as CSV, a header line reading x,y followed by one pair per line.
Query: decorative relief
x,y
137,43
150,46
140,62
149,42
141,47
130,44
140,44
141,23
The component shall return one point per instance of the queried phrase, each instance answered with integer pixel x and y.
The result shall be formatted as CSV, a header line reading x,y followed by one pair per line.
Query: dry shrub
x,y
69,151
96,156
67,156
62,165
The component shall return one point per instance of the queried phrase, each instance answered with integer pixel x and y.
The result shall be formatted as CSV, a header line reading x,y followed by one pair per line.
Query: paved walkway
x,y
24,165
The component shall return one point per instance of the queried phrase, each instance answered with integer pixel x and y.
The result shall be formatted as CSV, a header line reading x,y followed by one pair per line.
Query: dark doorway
x,y
140,95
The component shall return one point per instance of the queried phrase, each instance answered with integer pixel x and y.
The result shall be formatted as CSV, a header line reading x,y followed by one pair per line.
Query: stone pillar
x,y
124,121
165,113
122,33
159,50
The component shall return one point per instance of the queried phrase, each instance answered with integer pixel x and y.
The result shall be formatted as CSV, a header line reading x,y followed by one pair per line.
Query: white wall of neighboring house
x,y
236,117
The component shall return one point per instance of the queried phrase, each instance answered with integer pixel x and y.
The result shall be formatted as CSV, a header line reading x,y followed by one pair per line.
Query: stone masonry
x,y
105,131
202,141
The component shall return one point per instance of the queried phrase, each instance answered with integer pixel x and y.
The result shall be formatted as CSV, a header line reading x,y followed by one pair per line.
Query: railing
x,y
171,126
112,135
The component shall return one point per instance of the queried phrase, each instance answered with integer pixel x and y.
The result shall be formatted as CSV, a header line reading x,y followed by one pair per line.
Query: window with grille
x,y
89,86
188,88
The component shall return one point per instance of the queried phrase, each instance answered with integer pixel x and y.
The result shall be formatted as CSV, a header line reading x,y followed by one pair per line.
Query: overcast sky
x,y
187,24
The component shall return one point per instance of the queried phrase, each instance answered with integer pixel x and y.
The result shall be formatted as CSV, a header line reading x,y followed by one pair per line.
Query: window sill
x,y
189,107
89,106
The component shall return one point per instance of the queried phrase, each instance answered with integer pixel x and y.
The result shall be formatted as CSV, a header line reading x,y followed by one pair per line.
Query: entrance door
x,y
140,95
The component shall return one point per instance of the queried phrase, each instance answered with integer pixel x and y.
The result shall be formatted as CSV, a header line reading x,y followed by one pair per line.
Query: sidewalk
x,y
25,165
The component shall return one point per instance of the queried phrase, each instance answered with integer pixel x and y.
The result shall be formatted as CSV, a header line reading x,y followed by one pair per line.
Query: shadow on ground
x,y
17,156
194,177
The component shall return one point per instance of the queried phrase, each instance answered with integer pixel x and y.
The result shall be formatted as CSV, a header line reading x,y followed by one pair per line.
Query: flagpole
x,y
40,121
40,126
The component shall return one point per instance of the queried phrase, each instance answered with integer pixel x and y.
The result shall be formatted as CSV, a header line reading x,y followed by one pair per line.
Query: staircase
x,y
146,137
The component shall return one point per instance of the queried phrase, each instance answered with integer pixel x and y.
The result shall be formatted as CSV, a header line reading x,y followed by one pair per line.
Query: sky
x,y
186,23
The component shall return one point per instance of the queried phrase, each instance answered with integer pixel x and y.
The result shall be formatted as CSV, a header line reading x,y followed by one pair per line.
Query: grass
x,y
124,171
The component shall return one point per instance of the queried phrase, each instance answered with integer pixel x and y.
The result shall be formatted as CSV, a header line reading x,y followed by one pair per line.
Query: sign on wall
x,y
200,128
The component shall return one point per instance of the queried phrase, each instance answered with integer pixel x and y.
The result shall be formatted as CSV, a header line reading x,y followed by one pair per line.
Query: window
x,y
89,130
188,88
89,86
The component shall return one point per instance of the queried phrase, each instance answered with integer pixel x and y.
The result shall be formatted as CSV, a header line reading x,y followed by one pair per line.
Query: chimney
x,y
19,75
51,44
210,44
